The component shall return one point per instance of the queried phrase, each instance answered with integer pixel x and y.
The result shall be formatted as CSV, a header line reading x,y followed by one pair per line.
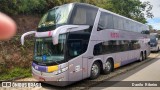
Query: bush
x,y
14,7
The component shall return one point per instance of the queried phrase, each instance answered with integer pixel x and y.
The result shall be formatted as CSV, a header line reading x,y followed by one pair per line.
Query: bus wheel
x,y
95,70
141,57
108,67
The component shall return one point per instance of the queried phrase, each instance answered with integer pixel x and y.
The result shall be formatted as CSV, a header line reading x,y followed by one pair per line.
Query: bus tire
x,y
145,55
141,57
108,67
95,70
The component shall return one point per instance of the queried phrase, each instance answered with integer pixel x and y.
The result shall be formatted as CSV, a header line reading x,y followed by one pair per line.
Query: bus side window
x,y
105,21
80,17
83,15
133,45
97,49
74,48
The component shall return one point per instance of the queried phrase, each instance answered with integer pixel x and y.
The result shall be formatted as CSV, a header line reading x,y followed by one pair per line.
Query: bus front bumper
x,y
51,78
153,48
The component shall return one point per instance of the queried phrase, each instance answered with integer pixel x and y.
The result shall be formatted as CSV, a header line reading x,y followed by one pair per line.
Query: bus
x,y
76,41
154,42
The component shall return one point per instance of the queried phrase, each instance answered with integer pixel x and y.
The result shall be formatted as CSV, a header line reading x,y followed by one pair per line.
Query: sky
x,y
155,21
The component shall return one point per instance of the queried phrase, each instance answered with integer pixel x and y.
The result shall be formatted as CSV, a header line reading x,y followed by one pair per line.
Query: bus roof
x,y
110,12
104,10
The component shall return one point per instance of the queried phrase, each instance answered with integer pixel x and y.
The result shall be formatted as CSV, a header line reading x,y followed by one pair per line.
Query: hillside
x,y
12,54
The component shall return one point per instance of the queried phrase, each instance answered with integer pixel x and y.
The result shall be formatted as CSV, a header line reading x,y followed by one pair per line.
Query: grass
x,y
15,73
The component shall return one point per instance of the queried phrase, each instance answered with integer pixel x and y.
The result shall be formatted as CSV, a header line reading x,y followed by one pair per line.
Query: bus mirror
x,y
25,34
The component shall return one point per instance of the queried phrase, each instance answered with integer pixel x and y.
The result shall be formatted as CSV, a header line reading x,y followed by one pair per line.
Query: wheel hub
x,y
108,66
95,69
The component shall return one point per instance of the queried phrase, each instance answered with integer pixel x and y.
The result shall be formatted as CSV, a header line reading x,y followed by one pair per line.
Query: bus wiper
x,y
56,62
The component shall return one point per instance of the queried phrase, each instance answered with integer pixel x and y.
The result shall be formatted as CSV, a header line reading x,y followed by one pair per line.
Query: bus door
x,y
85,60
75,59
85,66
95,53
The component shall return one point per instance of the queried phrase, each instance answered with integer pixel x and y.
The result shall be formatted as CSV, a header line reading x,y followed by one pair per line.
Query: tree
x,y
22,6
149,8
150,27
133,9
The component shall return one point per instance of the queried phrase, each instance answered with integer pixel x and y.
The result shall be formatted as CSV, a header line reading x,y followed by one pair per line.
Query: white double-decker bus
x,y
77,41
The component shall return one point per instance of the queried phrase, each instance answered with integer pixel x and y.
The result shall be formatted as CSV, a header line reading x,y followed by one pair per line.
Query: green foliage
x,y
15,59
150,27
133,9
15,72
22,6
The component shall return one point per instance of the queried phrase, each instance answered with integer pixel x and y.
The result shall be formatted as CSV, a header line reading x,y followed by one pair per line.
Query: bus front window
x,y
55,17
46,52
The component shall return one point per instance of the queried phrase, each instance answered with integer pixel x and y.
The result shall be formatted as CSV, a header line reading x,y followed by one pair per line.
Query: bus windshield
x,y
47,52
57,15
152,38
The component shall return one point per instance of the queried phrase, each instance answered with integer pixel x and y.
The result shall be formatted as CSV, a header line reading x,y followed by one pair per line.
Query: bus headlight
x,y
61,70
60,79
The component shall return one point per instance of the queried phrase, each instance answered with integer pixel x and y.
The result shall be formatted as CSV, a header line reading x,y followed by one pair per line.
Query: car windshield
x,y
47,52
57,15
